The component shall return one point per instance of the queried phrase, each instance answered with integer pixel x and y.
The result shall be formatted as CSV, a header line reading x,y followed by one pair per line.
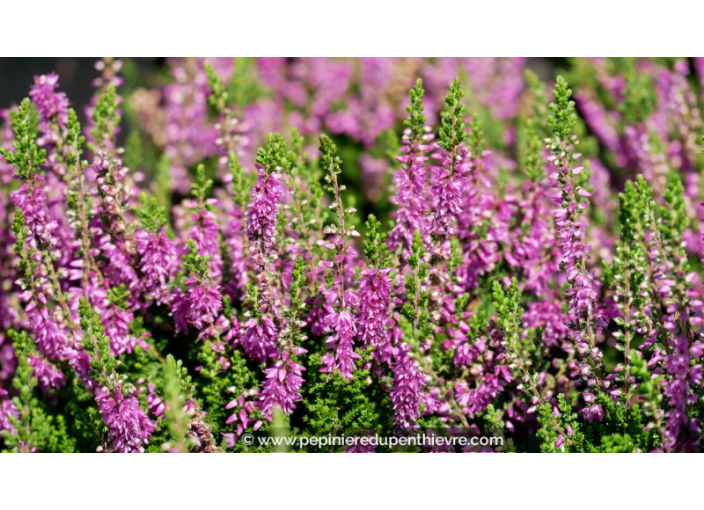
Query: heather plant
x,y
260,249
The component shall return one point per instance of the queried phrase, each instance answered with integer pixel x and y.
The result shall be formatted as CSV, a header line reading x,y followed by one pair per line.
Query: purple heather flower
x,y
593,413
129,427
117,327
233,238
282,387
50,335
31,200
242,413
411,183
108,226
533,250
205,233
598,120
51,105
197,306
7,409
466,352
448,185
155,405
157,260
574,252
367,116
190,137
549,317
406,393
476,401
497,83
342,328
48,376
263,209
373,313
680,396
260,339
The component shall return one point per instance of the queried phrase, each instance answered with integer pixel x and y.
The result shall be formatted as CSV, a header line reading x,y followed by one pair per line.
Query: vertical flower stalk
x,y
284,379
450,180
129,429
45,304
197,300
374,294
156,252
340,300
411,179
232,141
573,200
261,334
204,231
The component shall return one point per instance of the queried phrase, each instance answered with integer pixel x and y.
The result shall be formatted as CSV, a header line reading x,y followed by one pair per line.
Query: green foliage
x,y
106,118
375,248
27,263
539,102
215,387
639,96
151,215
176,383
330,162
452,129
194,264
416,308
273,157
509,310
673,212
293,313
562,117
201,186
218,94
103,364
35,429
475,139
27,158
416,118
337,406
533,131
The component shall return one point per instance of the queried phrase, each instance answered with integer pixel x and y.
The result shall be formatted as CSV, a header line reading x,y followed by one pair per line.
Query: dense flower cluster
x,y
532,269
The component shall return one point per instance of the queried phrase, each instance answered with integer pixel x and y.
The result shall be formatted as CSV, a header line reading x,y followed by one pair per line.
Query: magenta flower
x,y
407,390
411,186
373,314
51,336
155,405
48,376
260,339
342,328
263,209
205,234
31,200
448,185
129,427
196,306
157,262
51,105
7,410
282,387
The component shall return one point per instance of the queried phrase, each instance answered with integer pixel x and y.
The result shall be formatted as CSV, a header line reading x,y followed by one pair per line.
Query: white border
x,y
345,27
440,482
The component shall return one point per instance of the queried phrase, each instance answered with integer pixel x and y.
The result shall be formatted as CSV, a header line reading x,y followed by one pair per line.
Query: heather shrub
x,y
353,248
